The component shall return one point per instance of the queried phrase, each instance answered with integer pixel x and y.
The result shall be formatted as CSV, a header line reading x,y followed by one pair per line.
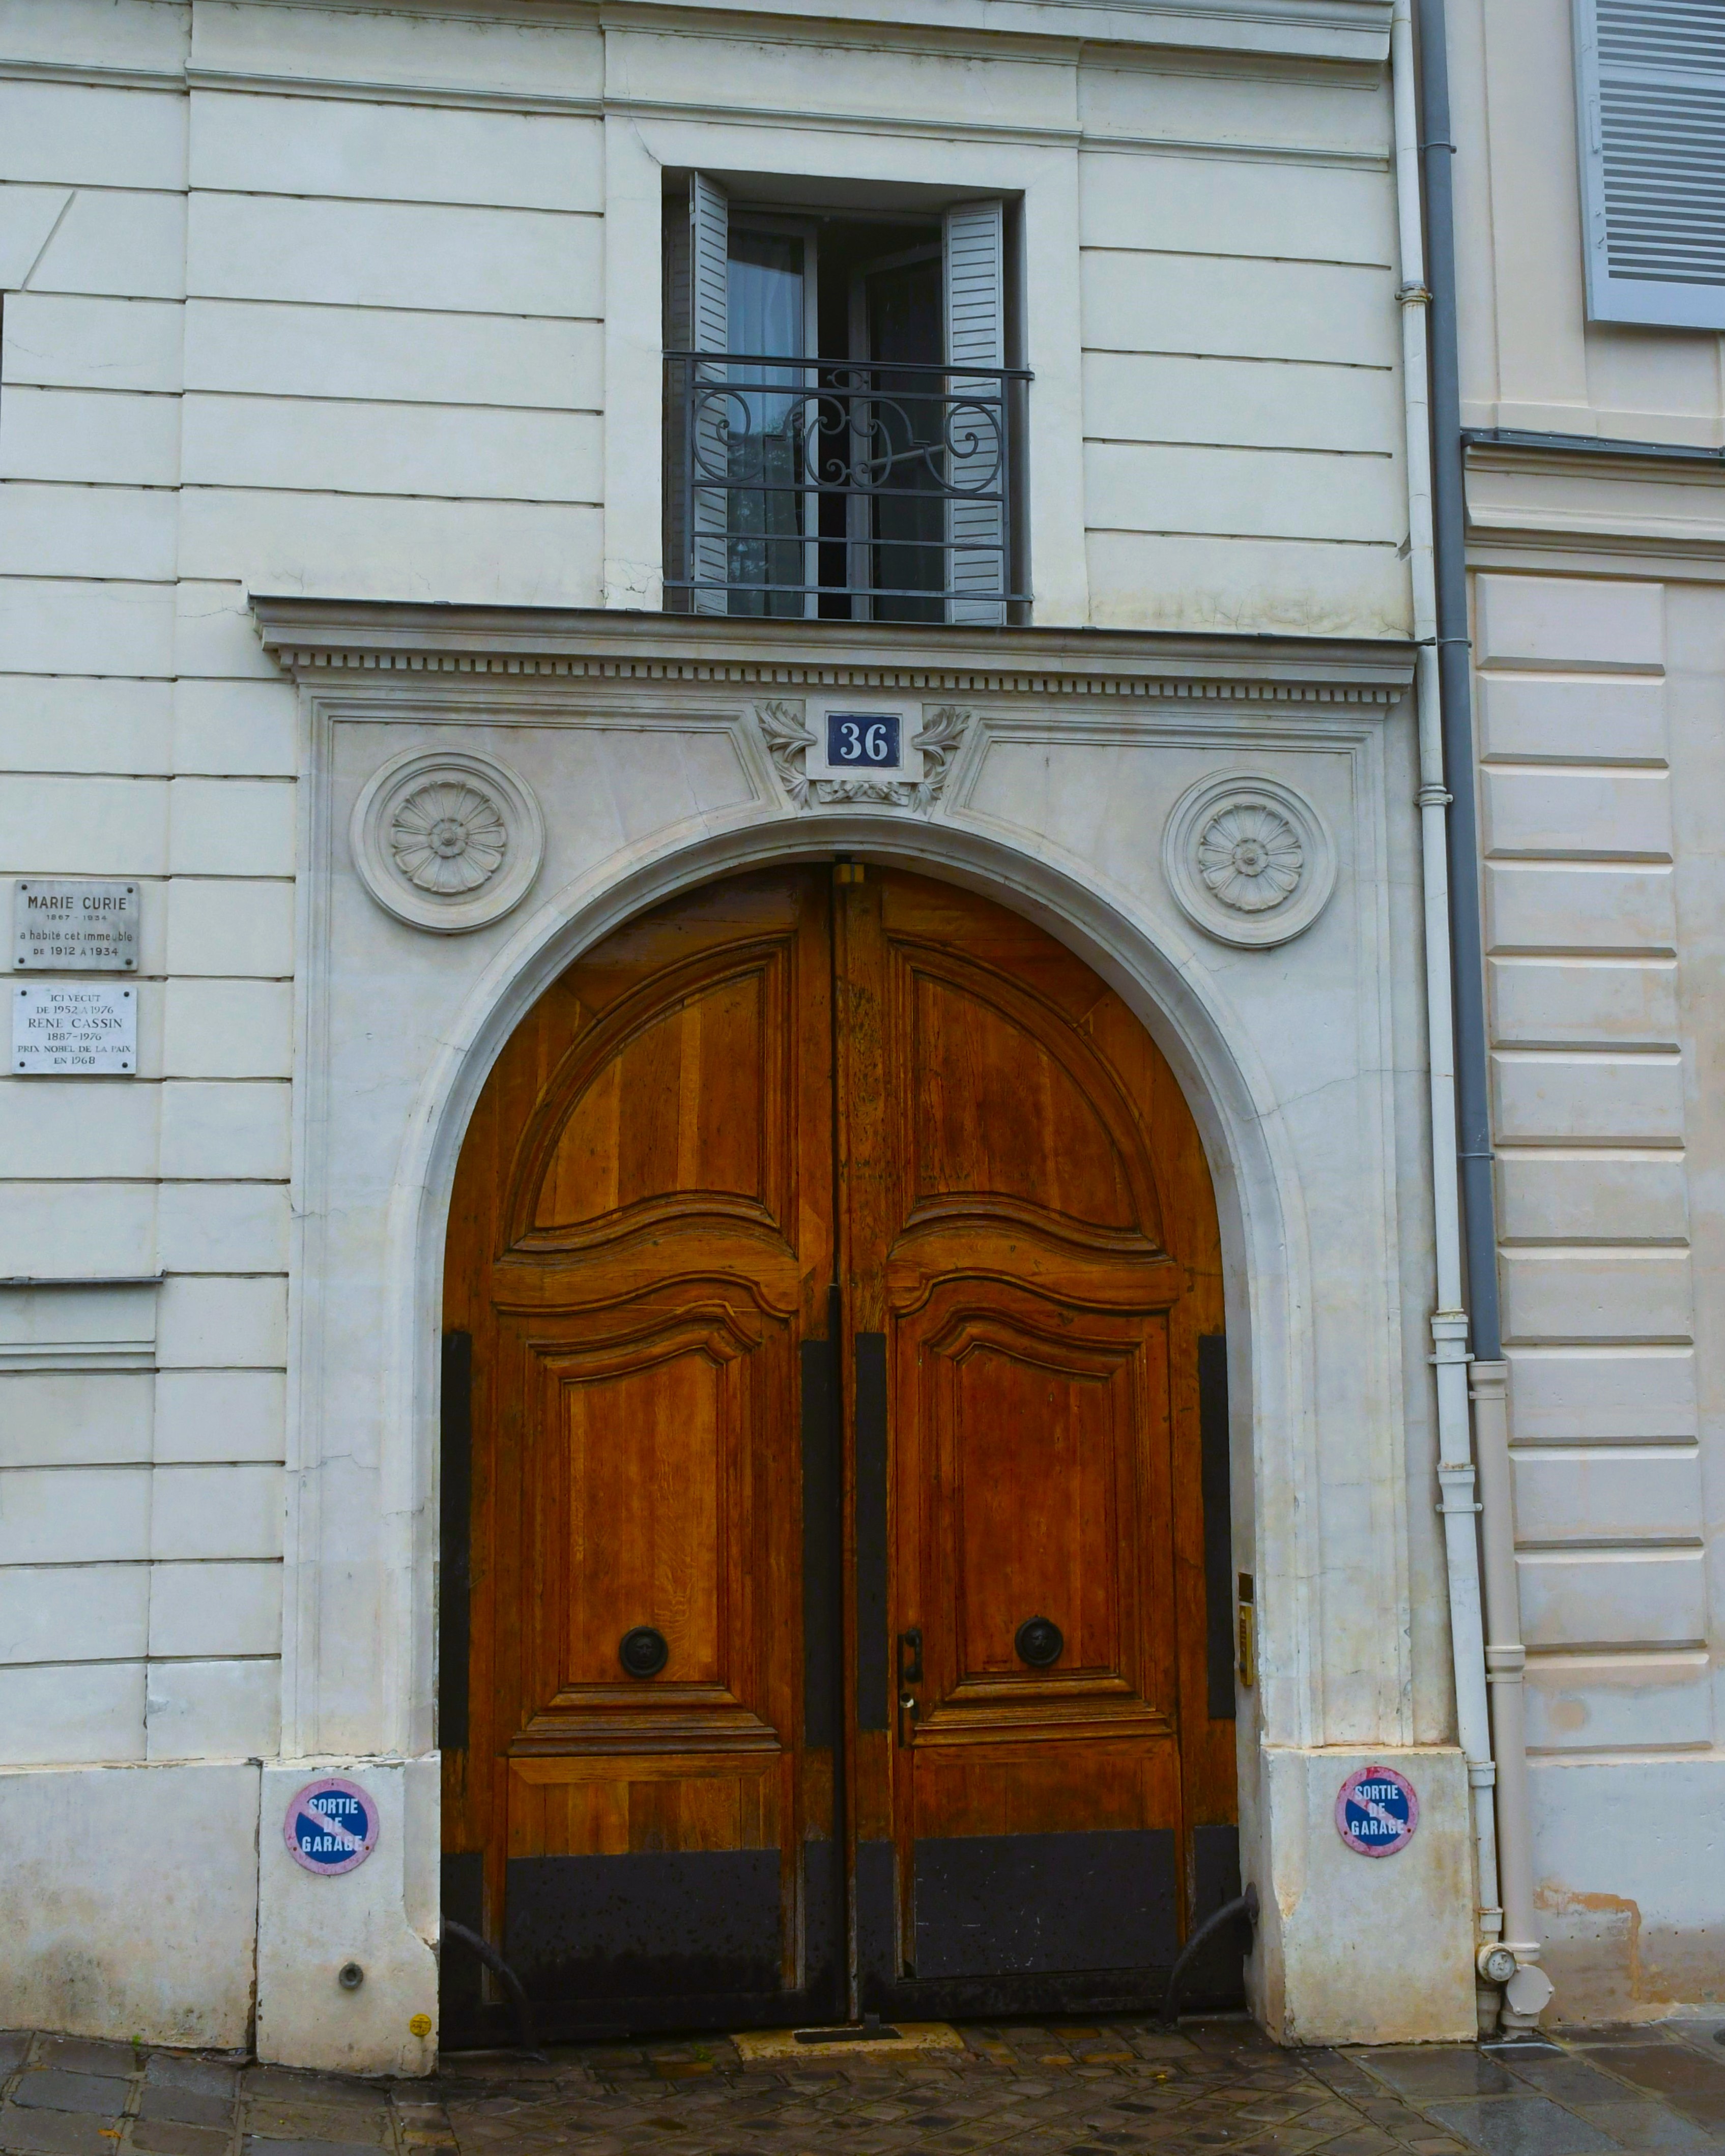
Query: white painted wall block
x,y
1540,1095
92,136
503,553
216,1710
48,530
82,1130
1251,493
470,53
71,723
49,1230
222,1227
228,1029
227,926
1602,1396
1530,906
225,1510
73,1613
1613,1597
1559,1196
223,1131
214,1322
50,825
63,340
1644,1702
1582,622
73,1515
50,1716
163,1952
215,636
1279,404
97,436
394,254
1582,1295
1241,309
130,246
215,1610
405,355
65,1418
455,450
1590,815
1628,1494
1253,206
59,626
228,729
1190,581
220,1415
28,216
231,827
1540,1003
386,153
1590,719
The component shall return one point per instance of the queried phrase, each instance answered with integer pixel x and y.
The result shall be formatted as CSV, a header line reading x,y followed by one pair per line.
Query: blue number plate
x,y
864,741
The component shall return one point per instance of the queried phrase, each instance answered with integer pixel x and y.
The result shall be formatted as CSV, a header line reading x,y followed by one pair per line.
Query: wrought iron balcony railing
x,y
858,489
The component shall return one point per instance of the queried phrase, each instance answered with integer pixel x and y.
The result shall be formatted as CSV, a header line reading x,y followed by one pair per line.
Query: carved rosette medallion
x,y
447,839
1250,859
789,741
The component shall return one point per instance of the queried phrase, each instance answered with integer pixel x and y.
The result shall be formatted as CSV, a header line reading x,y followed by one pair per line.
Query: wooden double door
x,y
836,1607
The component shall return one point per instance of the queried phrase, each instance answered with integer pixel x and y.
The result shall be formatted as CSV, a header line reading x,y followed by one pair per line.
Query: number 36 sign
x,y
864,741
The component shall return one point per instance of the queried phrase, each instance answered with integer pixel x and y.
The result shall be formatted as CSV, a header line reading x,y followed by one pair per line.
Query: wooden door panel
x,y
1028,1216
677,1104
641,1250
1032,1483
877,1201
649,1436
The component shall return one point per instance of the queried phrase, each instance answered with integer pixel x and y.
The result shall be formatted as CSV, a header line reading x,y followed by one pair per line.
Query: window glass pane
x,y
767,502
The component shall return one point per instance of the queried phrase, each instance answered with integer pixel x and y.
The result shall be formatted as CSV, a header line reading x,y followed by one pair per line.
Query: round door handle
x,y
1039,1642
644,1651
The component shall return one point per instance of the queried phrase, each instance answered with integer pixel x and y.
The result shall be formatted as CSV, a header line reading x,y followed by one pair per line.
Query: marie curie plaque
x,y
74,1029
68,925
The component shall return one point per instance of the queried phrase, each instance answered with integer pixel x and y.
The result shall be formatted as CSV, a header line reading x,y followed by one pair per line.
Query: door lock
x,y
910,1672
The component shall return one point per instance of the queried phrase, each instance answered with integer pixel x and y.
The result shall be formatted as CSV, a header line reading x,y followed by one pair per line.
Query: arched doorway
x,y
836,1609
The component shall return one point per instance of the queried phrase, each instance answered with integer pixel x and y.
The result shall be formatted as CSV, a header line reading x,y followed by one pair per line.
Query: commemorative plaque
x,y
72,925
74,1029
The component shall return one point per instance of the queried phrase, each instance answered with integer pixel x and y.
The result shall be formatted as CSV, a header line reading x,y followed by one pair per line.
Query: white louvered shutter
x,y
1652,90
709,327
976,334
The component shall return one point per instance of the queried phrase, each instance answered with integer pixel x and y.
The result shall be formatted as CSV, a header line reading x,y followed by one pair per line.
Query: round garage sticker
x,y
1377,1811
331,1825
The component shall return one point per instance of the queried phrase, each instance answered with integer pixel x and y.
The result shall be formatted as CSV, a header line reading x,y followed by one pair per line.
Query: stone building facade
x,y
371,602
1591,394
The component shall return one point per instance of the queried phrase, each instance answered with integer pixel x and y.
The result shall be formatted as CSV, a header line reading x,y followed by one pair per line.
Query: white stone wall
x,y
1598,705
364,303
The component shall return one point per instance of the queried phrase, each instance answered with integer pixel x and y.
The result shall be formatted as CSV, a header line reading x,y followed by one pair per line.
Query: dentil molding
x,y
447,839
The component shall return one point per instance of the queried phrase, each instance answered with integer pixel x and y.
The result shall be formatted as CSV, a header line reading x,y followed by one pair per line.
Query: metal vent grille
x,y
1653,159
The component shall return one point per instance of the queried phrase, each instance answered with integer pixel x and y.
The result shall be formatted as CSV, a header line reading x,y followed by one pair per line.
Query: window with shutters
x,y
842,421
1652,129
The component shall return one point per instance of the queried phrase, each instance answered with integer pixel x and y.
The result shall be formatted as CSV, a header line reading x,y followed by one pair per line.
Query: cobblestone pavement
x,y
1055,2089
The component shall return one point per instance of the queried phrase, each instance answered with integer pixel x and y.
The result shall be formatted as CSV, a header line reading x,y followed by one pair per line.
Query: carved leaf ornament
x,y
789,740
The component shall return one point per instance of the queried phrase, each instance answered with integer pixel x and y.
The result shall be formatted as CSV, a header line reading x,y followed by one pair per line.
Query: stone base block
x,y
128,1902
1355,1949
382,1916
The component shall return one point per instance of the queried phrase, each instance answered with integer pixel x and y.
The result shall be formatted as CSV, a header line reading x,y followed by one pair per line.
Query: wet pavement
x,y
1052,2089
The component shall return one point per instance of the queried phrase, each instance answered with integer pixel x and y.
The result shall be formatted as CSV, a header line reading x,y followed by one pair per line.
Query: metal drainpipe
x,y
1448,1321
1530,1989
